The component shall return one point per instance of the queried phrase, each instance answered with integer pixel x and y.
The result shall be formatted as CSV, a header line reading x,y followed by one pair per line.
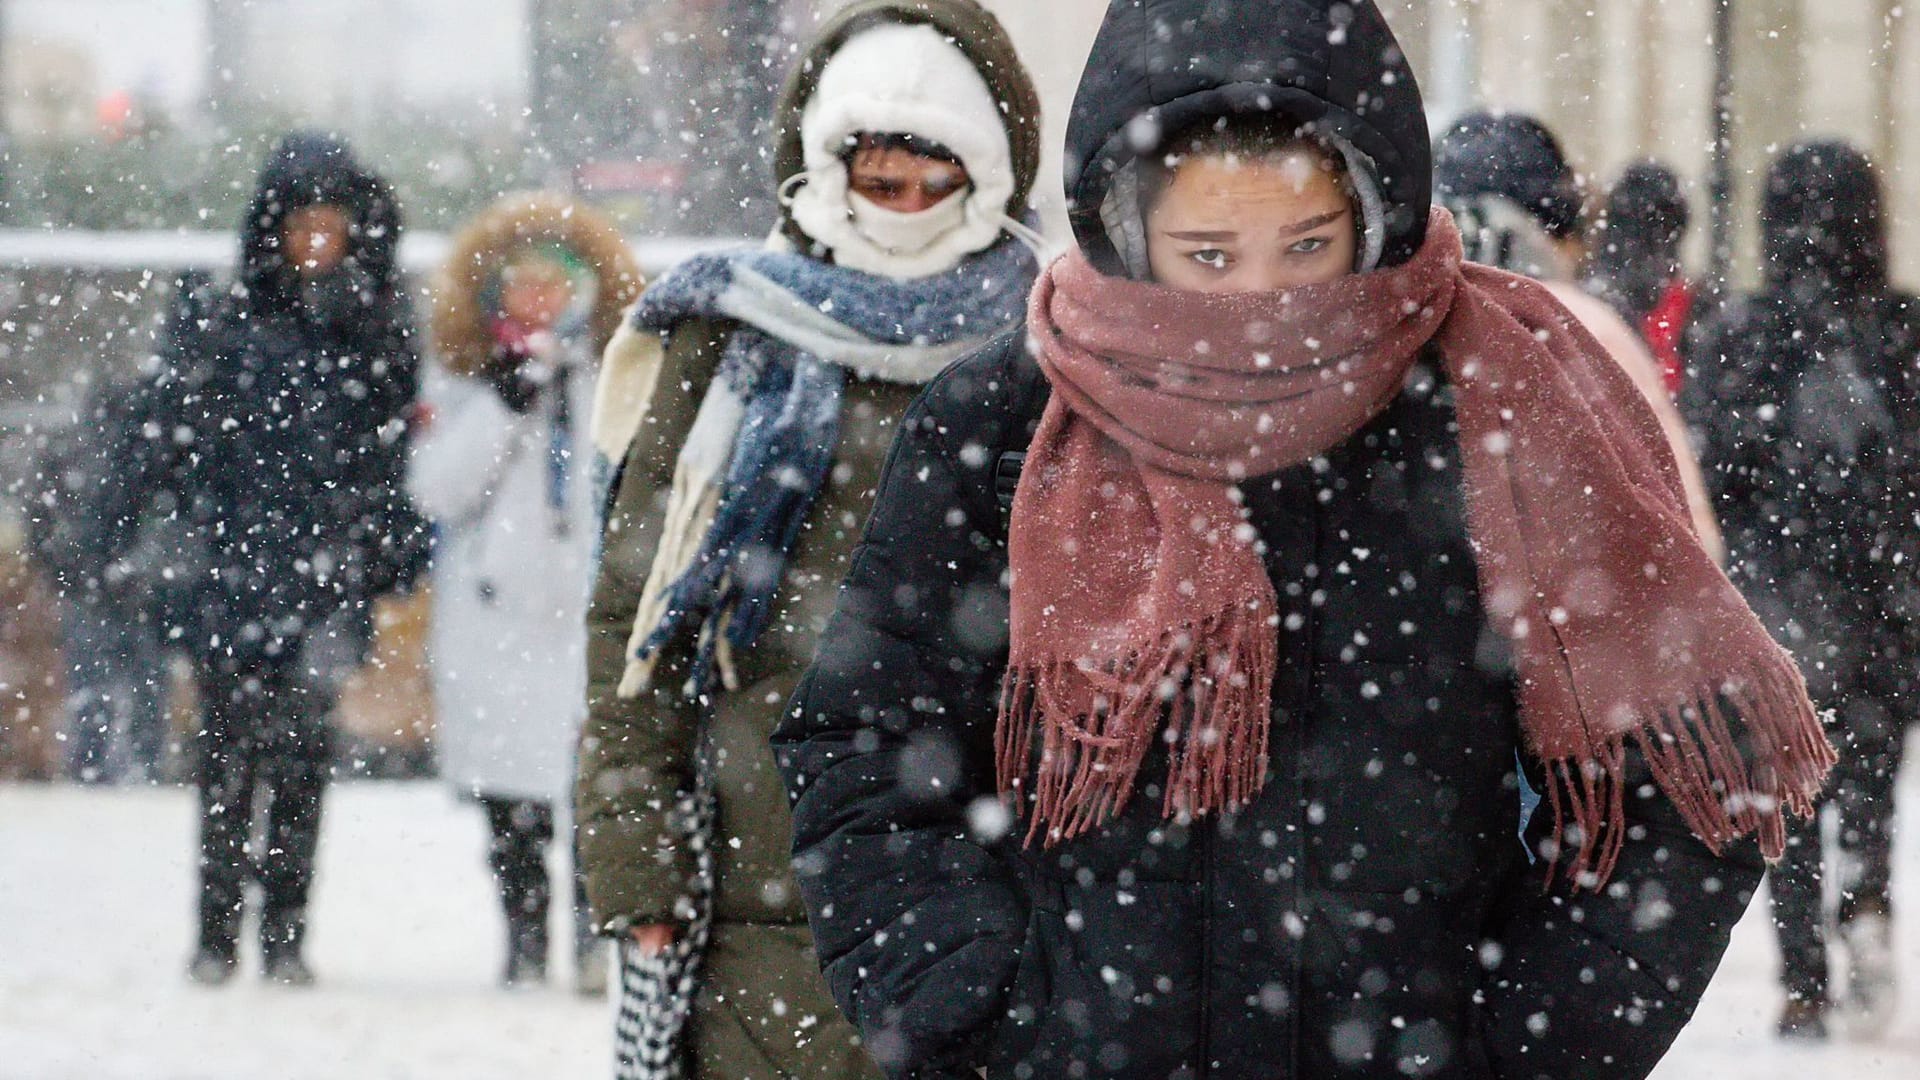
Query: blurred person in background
x,y
1807,393
1635,264
114,544
278,427
107,547
529,297
30,660
775,379
1520,207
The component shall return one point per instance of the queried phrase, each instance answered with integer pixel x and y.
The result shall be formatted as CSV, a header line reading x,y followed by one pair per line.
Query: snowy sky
x,y
333,53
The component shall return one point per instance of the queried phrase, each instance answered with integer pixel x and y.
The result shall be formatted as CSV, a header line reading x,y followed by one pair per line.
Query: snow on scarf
x,y
764,438
1141,610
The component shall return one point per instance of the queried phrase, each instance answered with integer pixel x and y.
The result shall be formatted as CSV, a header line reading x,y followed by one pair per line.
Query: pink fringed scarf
x,y
1141,610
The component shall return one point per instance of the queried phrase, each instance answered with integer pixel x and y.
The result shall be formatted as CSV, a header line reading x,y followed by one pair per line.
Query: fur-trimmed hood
x,y
461,322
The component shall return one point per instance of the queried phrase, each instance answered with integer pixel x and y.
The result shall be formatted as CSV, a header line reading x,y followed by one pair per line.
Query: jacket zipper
x,y
1206,827
1309,653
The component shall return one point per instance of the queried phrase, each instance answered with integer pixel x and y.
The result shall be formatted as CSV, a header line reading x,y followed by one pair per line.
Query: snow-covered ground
x,y
95,896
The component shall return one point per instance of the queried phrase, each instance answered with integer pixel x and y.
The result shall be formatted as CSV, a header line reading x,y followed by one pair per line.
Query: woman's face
x,y
315,238
535,293
895,178
1226,225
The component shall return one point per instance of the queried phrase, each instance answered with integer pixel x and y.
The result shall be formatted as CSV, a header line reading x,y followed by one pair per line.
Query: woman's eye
x,y
941,188
1213,258
1313,245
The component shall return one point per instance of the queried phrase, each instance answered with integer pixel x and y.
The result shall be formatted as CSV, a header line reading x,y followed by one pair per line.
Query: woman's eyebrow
x,y
1313,223
1224,236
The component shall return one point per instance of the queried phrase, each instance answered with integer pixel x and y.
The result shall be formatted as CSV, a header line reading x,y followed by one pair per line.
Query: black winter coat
x,y
88,510
1371,914
112,538
278,424
1807,398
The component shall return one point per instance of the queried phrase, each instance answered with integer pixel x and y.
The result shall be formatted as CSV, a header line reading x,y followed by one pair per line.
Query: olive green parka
x,y
764,1011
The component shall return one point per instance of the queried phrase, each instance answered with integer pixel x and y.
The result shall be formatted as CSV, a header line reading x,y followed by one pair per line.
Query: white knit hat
x,y
902,79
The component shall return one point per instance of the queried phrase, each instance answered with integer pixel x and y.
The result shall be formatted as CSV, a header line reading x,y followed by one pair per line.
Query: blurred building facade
x,y
1633,78
340,61
1619,80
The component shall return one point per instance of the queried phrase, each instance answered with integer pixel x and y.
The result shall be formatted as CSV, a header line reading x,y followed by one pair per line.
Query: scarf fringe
x,y
1720,791
1097,727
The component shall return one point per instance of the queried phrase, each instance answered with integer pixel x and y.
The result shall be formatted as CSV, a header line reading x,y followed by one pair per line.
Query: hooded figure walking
x,y
751,399
279,431
530,296
1169,721
1808,394
1519,206
1636,265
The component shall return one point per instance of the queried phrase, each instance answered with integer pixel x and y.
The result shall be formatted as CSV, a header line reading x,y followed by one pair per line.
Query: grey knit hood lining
x,y
1123,214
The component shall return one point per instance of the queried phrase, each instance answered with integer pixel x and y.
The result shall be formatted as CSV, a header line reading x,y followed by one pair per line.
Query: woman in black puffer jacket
x,y
1365,910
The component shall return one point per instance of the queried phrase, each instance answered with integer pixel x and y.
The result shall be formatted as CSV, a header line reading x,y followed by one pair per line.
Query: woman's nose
x,y
913,199
1265,278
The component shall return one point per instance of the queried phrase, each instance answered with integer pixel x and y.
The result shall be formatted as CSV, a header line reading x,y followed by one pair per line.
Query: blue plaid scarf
x,y
804,325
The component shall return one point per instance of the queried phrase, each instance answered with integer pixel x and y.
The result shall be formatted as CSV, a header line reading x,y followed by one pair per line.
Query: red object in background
x,y
630,177
118,115
1665,328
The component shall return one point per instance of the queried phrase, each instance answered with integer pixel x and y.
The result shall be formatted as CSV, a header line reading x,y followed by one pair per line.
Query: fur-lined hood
x,y
461,330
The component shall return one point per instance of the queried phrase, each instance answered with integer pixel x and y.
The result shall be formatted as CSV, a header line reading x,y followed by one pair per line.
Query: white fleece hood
x,y
902,80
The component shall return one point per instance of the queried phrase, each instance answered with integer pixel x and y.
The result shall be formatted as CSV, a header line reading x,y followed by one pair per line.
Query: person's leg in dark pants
x,y
1797,885
1863,793
591,954
149,682
521,831
228,752
294,773
1870,746
85,648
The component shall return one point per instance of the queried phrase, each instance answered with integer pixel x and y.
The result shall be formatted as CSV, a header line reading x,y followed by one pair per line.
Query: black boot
x,y
521,831
212,967
590,954
217,955
527,944
525,900
226,802
1804,1019
282,935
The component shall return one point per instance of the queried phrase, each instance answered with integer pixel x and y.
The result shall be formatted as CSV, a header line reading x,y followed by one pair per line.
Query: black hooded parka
x,y
1807,394
279,420
1373,913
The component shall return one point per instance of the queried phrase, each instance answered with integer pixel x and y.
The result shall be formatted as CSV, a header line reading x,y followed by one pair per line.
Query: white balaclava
x,y
902,79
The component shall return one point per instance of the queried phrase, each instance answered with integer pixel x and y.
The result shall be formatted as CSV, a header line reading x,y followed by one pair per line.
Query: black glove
x,y
512,372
